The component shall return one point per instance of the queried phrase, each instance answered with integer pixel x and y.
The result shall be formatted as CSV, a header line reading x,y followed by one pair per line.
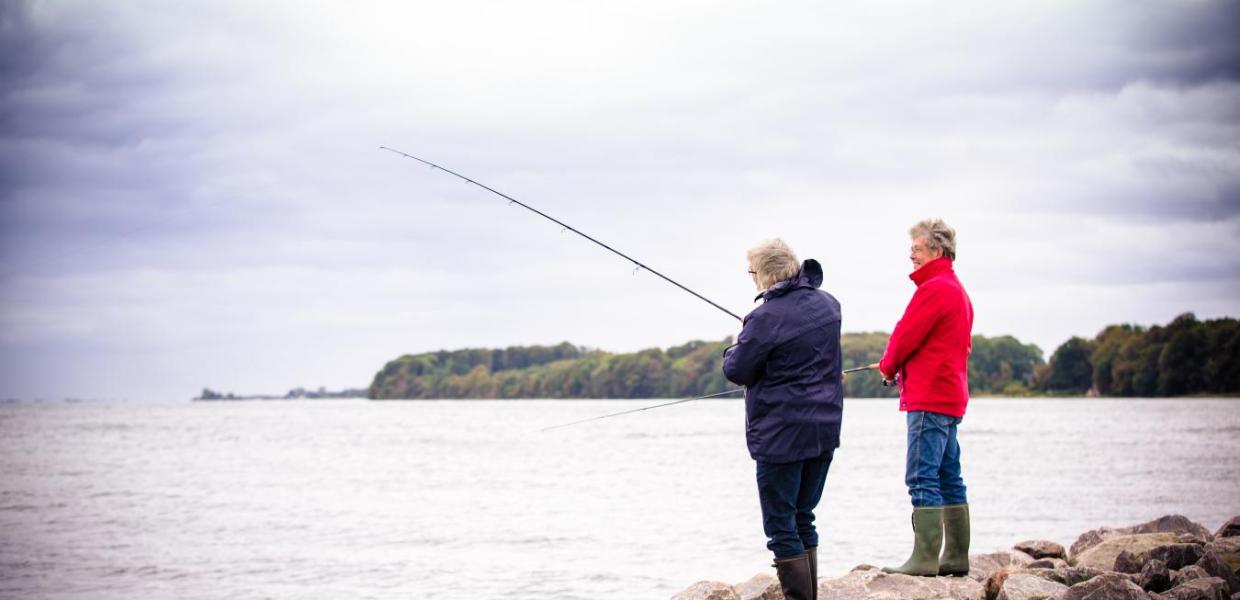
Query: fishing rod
x,y
681,401
566,226
625,412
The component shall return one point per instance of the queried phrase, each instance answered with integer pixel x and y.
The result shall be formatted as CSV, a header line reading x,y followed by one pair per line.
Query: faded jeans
x,y
788,494
932,467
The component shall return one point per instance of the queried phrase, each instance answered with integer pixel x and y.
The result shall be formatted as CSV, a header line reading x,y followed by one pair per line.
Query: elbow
x,y
737,376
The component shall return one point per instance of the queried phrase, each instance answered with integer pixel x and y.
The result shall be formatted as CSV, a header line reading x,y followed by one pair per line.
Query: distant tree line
x,y
1187,356
1000,365
293,394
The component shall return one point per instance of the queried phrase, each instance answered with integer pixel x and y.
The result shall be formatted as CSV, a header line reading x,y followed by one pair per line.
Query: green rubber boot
x,y
955,559
927,540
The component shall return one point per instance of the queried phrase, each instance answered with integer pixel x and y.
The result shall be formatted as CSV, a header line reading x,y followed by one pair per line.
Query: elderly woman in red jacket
x,y
928,356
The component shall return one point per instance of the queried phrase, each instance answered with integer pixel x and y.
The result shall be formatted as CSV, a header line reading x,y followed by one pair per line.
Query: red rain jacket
x,y
930,346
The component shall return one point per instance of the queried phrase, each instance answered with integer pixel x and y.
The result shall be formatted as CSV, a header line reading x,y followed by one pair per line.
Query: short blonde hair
x,y
774,262
937,235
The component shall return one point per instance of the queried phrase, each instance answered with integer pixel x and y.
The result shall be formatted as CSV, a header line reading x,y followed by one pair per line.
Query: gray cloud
x,y
203,178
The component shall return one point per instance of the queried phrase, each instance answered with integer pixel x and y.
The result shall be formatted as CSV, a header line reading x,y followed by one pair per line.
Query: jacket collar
x,y
930,269
810,276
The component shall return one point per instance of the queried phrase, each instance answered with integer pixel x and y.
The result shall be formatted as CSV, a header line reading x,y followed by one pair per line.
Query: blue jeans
x,y
932,466
788,494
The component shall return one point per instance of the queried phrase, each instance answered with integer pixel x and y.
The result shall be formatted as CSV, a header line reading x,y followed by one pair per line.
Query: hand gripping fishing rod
x,y
566,226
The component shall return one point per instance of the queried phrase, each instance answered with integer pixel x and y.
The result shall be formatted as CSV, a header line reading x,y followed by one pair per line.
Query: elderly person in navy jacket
x,y
788,357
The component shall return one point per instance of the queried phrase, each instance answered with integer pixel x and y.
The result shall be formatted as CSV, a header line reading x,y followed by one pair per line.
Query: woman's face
x,y
754,274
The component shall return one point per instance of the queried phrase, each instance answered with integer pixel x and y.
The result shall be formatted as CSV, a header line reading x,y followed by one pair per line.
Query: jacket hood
x,y
810,276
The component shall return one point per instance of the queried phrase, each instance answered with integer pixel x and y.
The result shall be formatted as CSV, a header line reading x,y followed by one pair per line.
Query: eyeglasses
x,y
753,272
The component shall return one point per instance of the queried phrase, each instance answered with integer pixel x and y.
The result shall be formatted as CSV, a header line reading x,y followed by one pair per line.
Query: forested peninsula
x,y
1187,356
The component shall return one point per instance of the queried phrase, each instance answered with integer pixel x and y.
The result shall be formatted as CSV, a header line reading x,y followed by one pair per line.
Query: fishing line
x,y
681,401
626,412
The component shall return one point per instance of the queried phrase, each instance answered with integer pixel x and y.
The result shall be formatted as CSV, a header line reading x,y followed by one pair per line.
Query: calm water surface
x,y
357,499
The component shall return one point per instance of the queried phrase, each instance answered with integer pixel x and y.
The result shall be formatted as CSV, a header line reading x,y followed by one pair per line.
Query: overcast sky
x,y
191,193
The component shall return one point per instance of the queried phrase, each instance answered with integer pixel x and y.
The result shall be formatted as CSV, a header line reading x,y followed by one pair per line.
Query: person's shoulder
x,y
831,301
761,312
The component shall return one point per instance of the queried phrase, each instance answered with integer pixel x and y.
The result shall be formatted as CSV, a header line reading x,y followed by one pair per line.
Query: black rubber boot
x,y
927,541
955,559
812,551
794,577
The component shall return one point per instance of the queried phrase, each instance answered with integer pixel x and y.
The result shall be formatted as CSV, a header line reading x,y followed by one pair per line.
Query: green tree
x,y
1071,369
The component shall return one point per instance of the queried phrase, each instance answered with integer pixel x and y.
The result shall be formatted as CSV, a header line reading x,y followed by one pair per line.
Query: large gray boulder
x,y
762,586
1228,549
1166,524
1205,588
1048,563
1108,586
1128,562
1155,576
1069,576
982,566
1188,574
1229,529
1177,556
1103,554
1211,563
873,584
1026,586
1041,549
708,590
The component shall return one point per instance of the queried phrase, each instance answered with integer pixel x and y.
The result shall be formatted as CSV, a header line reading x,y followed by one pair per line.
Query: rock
x,y
1187,574
1108,586
1177,556
1127,562
1205,588
982,566
762,586
1025,586
1212,564
1155,576
1168,524
1069,576
1228,549
1041,549
994,583
1103,555
1174,524
1049,563
870,584
708,590
1229,529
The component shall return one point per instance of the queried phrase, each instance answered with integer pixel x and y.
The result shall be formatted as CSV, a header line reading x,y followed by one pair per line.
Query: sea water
x,y
469,499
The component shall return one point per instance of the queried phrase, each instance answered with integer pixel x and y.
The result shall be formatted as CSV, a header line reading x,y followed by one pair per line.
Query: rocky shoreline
x,y
1169,558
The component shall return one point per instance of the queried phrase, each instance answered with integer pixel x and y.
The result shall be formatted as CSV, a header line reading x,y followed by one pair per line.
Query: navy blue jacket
x,y
788,357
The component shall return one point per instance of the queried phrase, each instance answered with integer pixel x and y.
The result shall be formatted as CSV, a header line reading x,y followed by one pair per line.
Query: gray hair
x,y
937,235
774,261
